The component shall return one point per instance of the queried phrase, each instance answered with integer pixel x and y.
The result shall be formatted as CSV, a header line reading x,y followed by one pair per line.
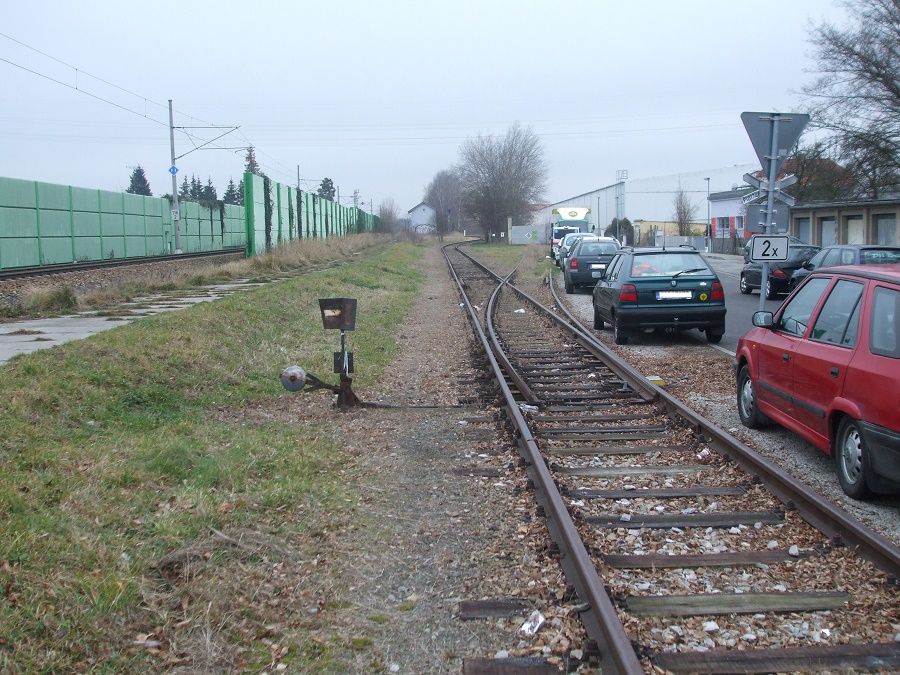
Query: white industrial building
x,y
422,218
649,199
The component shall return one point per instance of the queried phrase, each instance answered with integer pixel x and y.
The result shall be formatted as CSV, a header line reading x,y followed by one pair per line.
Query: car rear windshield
x,y
561,232
597,248
802,252
875,256
668,264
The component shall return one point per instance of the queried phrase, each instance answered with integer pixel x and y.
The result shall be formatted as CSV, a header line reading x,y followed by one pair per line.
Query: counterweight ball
x,y
293,378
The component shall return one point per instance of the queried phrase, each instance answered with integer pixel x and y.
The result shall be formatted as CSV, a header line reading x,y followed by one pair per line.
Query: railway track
x,y
43,270
689,552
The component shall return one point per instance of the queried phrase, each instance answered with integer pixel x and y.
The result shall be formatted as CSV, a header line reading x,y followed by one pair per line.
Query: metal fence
x,y
277,213
46,224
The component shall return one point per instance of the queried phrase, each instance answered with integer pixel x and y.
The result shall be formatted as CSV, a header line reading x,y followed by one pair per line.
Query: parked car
x,y
653,288
846,254
826,366
792,241
559,231
565,245
779,271
587,259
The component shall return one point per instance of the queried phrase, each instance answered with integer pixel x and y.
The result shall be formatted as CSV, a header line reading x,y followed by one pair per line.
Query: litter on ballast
x,y
533,624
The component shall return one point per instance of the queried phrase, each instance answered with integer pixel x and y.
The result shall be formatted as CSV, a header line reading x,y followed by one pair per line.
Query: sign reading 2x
x,y
766,248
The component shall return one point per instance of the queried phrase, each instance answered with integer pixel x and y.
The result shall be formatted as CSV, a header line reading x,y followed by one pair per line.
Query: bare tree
x,y
685,212
857,93
819,176
502,177
444,195
388,215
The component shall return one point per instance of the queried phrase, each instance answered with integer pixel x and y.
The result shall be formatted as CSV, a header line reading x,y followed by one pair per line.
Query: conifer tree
x,y
139,185
326,189
231,193
184,191
240,192
251,164
196,188
208,192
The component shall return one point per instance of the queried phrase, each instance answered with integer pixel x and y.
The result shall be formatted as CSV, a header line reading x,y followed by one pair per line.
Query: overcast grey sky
x,y
379,95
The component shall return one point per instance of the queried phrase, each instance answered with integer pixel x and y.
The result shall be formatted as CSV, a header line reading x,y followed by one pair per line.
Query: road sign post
x,y
772,136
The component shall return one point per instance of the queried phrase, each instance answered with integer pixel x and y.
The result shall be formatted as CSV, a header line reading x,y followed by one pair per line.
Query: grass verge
x,y
141,514
39,299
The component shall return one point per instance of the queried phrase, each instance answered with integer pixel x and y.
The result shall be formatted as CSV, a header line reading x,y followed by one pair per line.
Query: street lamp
x,y
707,214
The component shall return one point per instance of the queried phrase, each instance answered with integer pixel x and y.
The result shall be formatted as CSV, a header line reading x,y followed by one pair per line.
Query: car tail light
x,y
573,264
628,293
718,293
778,272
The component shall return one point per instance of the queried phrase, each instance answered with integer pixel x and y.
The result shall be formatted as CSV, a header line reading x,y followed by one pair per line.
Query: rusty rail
x,y
838,525
600,620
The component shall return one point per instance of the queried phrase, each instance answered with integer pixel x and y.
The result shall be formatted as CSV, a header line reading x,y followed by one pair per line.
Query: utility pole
x,y
176,214
708,221
298,178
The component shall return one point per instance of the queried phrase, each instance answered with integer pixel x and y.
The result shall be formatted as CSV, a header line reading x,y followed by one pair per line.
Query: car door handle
x,y
834,372
785,357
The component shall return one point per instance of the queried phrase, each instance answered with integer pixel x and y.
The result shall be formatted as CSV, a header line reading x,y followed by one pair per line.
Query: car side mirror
x,y
763,319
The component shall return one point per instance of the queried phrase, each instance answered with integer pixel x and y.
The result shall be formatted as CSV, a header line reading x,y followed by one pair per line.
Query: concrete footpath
x,y
27,336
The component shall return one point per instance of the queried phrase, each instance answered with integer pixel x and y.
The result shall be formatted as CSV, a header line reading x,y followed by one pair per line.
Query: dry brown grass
x,y
291,257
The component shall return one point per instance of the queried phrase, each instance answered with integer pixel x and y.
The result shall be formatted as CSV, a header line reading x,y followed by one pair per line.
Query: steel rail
x,y
601,619
821,514
43,270
647,390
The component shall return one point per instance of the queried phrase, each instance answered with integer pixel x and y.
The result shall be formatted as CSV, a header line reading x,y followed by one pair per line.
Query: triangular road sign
x,y
759,127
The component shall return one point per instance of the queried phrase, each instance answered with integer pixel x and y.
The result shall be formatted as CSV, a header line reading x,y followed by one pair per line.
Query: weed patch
x,y
137,499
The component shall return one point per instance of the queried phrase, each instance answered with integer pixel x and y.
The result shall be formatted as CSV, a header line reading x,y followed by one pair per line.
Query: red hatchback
x,y
826,365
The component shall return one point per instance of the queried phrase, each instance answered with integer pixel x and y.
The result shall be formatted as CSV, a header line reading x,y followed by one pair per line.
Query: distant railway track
x,y
43,270
690,552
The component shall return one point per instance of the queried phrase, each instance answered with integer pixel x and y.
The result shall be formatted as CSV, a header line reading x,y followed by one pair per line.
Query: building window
x,y
827,232
854,230
803,233
886,230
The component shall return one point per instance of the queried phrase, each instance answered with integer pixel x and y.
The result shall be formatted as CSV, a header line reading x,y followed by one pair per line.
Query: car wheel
x,y
620,337
598,321
852,459
745,288
746,401
714,338
569,287
770,293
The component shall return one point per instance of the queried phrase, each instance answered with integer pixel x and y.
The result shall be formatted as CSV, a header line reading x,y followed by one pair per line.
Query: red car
x,y
826,366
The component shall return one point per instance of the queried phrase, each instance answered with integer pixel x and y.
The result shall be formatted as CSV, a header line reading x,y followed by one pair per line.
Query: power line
x,y
83,91
95,77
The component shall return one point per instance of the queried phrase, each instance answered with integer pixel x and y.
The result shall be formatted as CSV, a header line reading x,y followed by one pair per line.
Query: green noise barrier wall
x,y
279,213
47,224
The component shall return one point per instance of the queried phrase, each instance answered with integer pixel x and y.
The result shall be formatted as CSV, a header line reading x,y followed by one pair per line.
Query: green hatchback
x,y
653,288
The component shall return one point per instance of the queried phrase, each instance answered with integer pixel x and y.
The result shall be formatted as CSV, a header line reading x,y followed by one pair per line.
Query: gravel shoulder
x,y
427,531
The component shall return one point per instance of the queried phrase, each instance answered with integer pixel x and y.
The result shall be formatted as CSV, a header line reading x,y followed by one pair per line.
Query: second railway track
x,y
690,552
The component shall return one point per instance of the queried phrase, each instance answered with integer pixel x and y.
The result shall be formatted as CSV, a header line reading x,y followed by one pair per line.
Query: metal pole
x,y
708,221
176,213
770,203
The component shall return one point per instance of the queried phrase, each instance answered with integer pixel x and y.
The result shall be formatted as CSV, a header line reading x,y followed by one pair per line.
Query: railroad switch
x,y
337,314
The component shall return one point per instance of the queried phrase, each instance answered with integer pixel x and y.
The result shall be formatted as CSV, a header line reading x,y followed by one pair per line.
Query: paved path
x,y
25,337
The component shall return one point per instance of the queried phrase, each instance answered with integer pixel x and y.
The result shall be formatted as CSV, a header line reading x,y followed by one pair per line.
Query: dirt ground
x,y
426,533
